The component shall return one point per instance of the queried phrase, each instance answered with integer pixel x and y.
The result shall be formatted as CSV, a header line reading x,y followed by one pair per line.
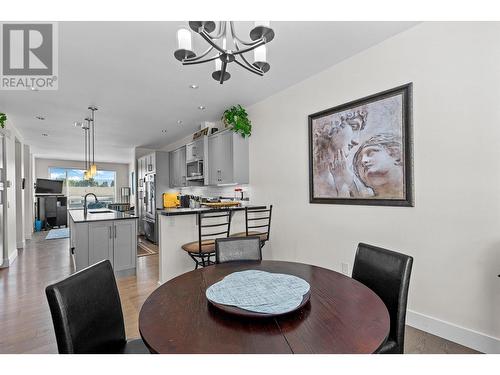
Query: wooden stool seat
x,y
263,235
207,246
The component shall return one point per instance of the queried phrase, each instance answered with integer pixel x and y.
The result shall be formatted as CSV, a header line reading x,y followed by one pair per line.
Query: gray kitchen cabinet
x,y
100,241
227,158
114,240
178,167
195,150
124,237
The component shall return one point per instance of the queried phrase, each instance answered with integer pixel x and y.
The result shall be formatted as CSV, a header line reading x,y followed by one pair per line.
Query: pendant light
x,y
93,166
86,127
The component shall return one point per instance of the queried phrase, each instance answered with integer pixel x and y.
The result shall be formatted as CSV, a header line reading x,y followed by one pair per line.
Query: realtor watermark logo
x,y
29,56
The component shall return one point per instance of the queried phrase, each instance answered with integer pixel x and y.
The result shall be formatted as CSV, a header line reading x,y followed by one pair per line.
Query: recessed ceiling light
x,y
45,134
201,107
179,122
193,86
41,118
164,130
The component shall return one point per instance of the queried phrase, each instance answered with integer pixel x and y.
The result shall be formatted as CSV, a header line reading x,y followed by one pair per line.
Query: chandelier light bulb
x,y
184,40
260,54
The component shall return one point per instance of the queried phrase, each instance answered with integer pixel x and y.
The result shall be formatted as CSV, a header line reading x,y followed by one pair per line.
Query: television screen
x,y
44,186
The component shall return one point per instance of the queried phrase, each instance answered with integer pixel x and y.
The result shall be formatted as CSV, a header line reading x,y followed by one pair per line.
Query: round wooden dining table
x,y
342,316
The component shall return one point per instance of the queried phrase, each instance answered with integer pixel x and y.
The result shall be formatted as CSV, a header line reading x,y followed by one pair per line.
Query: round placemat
x,y
259,293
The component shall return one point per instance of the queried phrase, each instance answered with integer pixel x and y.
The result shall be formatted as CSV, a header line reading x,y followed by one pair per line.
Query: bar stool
x,y
218,224
257,218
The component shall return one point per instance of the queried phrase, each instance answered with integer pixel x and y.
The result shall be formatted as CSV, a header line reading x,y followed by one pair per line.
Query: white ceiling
x,y
128,70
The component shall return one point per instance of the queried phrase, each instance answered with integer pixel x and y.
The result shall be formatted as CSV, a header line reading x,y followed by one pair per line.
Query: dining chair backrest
x,y
213,225
387,273
258,220
86,311
235,249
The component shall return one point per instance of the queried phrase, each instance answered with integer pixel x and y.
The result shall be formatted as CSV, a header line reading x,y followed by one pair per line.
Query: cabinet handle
x,y
114,229
110,232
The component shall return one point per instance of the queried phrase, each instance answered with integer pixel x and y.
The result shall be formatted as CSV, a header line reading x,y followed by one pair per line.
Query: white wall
x,y
28,193
11,134
19,162
453,230
122,170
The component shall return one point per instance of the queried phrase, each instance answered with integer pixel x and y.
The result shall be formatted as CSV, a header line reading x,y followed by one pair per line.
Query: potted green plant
x,y
237,119
3,118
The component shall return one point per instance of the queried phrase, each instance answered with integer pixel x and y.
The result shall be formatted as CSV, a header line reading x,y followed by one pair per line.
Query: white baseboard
x,y
12,257
463,336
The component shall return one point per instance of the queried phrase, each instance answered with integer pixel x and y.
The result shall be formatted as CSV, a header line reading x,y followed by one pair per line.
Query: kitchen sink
x,y
101,212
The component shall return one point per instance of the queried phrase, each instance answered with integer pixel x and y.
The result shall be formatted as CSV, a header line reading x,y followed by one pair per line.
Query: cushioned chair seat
x,y
263,236
207,246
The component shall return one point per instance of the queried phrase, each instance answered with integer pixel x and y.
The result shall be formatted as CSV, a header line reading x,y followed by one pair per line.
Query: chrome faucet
x,y
85,202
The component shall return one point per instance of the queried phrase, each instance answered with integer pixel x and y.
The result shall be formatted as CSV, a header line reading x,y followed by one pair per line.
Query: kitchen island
x,y
104,234
178,226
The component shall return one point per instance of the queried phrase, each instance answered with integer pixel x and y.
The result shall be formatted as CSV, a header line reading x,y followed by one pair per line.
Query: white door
x,y
100,241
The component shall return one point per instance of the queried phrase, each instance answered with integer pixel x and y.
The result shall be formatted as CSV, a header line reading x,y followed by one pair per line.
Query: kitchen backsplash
x,y
214,191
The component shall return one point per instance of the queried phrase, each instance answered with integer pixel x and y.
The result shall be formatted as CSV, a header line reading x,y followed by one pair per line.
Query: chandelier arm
x,y
252,69
223,72
251,48
189,59
235,37
221,32
251,66
200,61
206,36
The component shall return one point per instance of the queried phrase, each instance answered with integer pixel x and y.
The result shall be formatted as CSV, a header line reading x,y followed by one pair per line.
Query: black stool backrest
x,y
234,249
212,225
258,218
86,311
387,273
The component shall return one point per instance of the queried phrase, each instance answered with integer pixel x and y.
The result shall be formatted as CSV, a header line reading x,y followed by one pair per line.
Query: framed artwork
x,y
361,152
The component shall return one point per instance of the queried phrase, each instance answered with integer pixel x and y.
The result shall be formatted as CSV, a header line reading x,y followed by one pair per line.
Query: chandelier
x,y
260,35
89,134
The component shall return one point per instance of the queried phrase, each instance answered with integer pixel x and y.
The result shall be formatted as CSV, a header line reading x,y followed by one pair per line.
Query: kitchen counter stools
x,y
211,225
257,218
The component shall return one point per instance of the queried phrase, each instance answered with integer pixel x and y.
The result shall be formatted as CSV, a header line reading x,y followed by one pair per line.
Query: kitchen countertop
x,y
192,211
78,217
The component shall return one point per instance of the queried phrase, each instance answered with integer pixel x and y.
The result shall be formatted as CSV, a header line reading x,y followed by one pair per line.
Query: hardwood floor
x,y
25,322
26,325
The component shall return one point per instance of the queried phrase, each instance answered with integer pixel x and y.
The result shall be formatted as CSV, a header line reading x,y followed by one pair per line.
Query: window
x,y
75,186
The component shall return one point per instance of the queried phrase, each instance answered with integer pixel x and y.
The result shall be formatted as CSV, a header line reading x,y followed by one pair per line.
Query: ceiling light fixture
x,y
41,118
179,122
193,86
89,150
164,130
201,107
260,35
45,135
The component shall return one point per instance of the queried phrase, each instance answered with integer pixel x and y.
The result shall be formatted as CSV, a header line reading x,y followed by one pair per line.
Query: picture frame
x,y
361,152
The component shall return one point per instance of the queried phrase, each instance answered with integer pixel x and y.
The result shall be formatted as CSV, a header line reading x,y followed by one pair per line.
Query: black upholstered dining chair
x,y
235,249
387,273
87,314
